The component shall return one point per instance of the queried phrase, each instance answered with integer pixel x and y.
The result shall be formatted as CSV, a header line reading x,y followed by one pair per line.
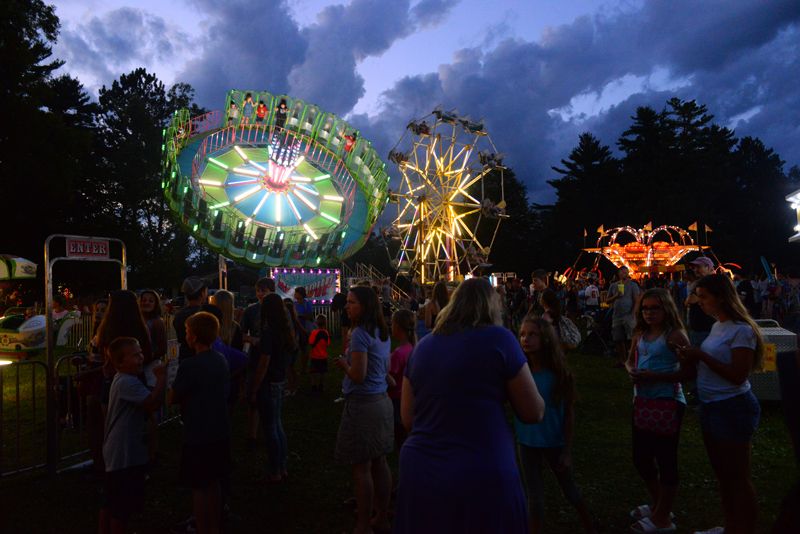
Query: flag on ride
x,y
585,234
708,228
601,230
649,226
693,227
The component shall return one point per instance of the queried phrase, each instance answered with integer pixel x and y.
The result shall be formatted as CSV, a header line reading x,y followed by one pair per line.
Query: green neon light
x,y
330,217
220,205
218,163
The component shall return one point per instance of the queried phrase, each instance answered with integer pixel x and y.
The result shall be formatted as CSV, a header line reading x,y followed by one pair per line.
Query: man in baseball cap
x,y
699,323
705,264
195,290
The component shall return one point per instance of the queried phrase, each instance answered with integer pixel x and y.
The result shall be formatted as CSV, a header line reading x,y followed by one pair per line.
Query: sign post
x,y
77,248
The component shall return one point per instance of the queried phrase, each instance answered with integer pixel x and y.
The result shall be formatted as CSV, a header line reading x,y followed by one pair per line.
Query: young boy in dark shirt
x,y
125,447
201,387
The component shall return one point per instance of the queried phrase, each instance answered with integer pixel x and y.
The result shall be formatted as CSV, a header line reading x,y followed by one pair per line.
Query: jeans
x,y
270,404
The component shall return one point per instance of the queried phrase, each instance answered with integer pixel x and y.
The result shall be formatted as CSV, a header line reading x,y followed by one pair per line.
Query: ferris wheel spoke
x,y
468,182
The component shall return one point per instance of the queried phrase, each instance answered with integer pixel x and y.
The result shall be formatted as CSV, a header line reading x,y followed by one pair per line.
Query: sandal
x,y
646,525
640,512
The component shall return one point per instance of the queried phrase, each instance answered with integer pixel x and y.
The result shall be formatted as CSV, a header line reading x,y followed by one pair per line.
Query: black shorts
x,y
124,492
318,365
204,464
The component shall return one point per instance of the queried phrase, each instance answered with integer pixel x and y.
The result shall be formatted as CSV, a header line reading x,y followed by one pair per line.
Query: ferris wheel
x,y
450,198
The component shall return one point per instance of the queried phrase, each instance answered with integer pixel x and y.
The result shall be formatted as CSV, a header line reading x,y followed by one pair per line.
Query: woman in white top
x,y
729,412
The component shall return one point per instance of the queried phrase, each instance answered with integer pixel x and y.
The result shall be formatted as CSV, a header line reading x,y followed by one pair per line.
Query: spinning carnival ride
x,y
450,200
287,185
645,250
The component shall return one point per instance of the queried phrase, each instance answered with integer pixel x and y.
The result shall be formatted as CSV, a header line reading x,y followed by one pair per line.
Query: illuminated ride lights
x,y
794,202
645,250
262,190
450,199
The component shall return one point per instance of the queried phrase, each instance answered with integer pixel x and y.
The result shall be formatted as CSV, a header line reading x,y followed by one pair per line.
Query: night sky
x,y
539,73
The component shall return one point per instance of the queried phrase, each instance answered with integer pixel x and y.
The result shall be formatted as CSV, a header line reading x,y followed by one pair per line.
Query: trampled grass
x,y
311,502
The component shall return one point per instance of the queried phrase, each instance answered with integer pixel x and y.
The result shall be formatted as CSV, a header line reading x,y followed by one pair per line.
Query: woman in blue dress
x,y
458,469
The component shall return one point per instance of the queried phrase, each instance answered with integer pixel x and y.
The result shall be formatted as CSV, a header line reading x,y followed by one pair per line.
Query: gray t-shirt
x,y
125,444
623,306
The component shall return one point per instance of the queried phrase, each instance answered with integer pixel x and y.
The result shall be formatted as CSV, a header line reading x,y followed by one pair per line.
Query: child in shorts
x,y
201,387
319,341
124,446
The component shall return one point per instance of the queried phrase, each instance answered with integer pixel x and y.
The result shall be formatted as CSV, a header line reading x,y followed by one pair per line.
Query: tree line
x,y
73,165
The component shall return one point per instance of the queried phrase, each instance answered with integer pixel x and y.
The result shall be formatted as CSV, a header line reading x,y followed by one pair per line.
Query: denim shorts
x,y
733,420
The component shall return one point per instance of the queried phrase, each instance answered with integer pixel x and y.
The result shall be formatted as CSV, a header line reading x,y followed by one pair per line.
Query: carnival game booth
x,y
321,285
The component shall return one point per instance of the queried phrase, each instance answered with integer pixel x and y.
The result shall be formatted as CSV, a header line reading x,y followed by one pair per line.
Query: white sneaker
x,y
715,530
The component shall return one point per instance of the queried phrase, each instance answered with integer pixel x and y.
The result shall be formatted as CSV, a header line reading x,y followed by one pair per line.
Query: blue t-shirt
x,y
549,432
202,385
305,310
377,362
656,356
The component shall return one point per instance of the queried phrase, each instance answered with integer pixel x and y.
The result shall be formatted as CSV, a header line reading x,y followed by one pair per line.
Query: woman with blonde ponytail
x,y
729,412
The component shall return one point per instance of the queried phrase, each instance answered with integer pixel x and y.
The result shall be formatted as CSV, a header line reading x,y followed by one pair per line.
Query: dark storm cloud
x,y
343,35
245,45
261,46
119,41
734,57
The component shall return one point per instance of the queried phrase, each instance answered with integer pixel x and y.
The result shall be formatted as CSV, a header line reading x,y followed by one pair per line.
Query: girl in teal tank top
x,y
656,373
550,440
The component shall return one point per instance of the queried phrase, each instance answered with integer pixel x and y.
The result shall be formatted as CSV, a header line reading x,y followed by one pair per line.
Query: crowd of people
x,y
439,398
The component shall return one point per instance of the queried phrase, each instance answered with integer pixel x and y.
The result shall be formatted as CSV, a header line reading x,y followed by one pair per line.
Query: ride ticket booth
x,y
73,248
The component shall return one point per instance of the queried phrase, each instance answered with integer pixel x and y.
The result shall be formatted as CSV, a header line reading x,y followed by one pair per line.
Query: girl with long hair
x,y
275,343
291,372
150,306
366,433
122,319
729,412
458,469
550,440
659,405
439,299
404,332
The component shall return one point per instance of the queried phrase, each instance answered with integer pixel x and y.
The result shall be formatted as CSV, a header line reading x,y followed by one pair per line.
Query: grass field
x,y
311,501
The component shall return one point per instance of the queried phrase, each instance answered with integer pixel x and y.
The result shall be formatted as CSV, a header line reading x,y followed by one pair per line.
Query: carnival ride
x,y
645,250
450,200
280,182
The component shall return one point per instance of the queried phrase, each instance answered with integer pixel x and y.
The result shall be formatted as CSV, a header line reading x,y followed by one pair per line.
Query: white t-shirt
x,y
723,338
592,295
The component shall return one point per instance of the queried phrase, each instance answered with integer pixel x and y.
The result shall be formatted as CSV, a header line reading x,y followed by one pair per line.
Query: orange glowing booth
x,y
645,250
